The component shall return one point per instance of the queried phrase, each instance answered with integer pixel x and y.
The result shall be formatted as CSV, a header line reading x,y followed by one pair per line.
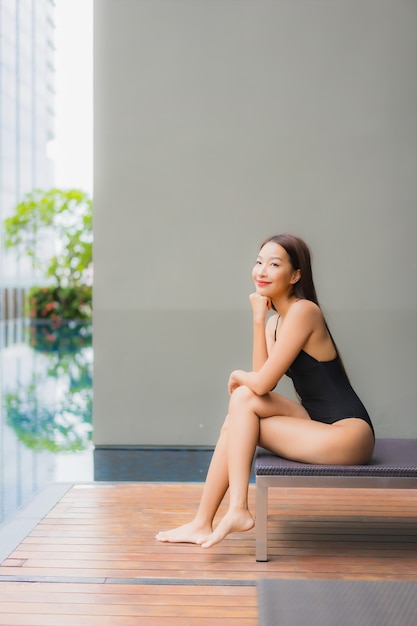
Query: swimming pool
x,y
46,398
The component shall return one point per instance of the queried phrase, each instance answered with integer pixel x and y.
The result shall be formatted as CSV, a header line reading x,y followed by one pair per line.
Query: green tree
x,y
57,221
54,229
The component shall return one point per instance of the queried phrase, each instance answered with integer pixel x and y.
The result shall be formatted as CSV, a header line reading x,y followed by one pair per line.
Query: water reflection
x,y
46,404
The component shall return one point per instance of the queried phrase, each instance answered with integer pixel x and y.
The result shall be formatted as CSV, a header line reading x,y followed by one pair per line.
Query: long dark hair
x,y
300,259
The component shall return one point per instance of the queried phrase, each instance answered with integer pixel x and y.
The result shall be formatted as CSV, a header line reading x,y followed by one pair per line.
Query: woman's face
x,y
273,273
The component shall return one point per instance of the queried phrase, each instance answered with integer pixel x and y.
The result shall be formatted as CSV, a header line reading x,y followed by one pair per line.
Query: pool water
x,y
46,398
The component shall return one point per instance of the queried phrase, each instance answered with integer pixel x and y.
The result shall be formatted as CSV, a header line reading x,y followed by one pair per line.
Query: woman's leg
x,y
243,425
284,427
214,490
347,442
246,411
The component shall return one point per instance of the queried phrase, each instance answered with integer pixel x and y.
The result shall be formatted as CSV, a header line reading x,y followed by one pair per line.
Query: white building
x,y
26,124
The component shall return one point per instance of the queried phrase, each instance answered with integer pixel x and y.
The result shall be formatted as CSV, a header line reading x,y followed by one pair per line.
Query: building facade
x,y
26,125
217,124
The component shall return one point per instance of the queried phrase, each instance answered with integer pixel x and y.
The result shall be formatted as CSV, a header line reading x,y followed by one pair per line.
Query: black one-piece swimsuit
x,y
325,390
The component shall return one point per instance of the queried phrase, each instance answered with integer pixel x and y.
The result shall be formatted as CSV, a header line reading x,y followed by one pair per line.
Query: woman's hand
x,y
260,306
234,381
238,378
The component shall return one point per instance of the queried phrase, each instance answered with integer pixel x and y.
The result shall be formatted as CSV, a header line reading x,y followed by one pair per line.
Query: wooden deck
x,y
93,559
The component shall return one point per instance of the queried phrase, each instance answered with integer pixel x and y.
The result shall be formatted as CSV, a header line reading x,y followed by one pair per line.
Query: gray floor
x,y
20,525
342,602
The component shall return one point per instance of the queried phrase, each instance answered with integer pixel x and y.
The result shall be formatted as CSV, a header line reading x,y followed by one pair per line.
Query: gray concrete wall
x,y
218,123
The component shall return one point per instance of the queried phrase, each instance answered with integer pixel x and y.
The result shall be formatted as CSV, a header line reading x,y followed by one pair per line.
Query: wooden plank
x,y
147,609
106,531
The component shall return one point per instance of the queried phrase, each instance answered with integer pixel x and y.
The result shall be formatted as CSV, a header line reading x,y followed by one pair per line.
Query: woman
x,y
330,425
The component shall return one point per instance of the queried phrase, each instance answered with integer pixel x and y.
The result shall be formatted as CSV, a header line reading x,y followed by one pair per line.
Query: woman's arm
x,y
260,308
295,330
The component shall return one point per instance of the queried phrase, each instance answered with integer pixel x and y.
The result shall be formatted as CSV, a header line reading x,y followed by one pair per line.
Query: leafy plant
x,y
59,217
55,304
55,230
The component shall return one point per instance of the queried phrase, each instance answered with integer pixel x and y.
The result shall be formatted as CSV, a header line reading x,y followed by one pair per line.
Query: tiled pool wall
x,y
151,464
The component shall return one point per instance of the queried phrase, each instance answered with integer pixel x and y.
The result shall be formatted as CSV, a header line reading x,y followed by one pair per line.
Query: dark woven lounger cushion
x,y
391,457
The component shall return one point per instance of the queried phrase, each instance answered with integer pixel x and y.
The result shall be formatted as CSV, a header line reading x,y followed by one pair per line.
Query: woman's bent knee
x,y
242,394
242,391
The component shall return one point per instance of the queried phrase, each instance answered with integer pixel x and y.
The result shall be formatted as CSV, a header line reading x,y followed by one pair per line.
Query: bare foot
x,y
232,522
188,533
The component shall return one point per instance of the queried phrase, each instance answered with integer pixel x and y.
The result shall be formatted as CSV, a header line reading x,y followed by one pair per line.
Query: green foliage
x,y
54,229
60,303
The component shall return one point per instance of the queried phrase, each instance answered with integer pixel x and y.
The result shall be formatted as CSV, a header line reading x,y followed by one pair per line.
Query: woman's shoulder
x,y
306,307
305,313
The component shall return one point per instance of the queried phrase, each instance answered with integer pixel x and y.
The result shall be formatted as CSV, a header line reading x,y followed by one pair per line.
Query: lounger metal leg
x,y
261,522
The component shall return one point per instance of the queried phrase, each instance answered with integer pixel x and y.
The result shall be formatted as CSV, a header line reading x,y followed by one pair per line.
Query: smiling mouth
x,y
261,283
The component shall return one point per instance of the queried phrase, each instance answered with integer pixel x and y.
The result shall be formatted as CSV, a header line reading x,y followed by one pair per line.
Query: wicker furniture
x,y
393,465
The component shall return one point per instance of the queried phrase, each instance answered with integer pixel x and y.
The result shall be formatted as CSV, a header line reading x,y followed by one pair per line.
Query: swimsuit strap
x,y
276,326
